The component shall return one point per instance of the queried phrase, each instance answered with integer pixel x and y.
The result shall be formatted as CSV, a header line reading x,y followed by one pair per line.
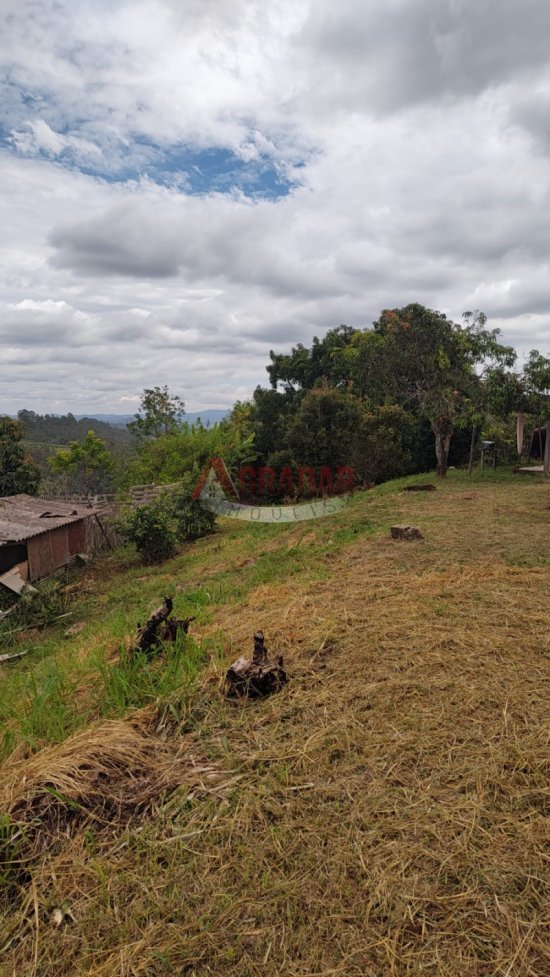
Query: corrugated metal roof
x,y
23,516
13,580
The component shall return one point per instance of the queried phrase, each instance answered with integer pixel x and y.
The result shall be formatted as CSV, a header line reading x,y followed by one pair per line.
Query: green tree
x,y
536,384
384,444
303,368
18,473
324,430
413,358
271,416
161,412
87,466
428,360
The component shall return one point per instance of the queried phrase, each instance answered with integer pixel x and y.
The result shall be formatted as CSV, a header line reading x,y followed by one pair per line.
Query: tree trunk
x,y
442,445
472,446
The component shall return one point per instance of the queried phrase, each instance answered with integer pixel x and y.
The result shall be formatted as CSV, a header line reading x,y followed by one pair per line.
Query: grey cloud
x,y
525,294
204,240
532,113
389,56
44,324
117,244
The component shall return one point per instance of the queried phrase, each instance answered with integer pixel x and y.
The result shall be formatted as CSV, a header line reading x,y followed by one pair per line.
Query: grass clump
x,y
137,680
100,778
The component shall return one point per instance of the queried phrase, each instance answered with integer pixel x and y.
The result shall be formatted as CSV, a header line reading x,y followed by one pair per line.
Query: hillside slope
x,y
386,814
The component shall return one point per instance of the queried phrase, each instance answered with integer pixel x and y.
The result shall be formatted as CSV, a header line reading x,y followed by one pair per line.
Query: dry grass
x,y
102,777
391,816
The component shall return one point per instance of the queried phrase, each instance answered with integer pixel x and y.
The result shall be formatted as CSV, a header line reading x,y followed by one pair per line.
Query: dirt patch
x,y
104,776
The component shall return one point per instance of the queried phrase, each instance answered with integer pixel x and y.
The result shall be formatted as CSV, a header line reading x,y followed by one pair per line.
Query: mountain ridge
x,y
210,416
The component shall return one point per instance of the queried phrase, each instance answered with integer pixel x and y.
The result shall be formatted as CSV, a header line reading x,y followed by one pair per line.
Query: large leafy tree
x,y
303,368
428,360
18,473
161,412
272,413
86,466
324,429
384,444
536,384
412,358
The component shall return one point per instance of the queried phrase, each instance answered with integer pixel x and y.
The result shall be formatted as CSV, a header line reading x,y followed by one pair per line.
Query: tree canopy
x,y
161,412
413,357
18,473
412,390
87,465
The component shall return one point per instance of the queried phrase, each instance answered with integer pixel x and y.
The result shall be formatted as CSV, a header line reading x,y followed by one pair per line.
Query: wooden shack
x,y
38,537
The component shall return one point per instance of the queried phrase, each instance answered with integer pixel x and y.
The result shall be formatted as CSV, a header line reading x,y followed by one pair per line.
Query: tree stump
x,y
159,627
406,532
256,677
171,627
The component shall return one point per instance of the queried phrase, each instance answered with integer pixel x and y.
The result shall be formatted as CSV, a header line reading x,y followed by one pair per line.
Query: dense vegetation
x,y
157,528
413,392
18,472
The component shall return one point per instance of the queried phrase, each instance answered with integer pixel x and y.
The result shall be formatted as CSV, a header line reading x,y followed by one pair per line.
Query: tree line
x,y
407,394
412,392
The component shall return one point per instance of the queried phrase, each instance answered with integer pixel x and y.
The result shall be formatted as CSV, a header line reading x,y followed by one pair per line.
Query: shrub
x,y
193,520
156,529
152,530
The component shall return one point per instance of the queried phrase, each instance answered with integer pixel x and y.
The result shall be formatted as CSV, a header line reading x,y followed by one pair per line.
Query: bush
x,y
152,530
193,520
156,529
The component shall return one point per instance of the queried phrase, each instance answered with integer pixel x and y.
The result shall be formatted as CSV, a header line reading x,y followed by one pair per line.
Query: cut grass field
x,y
385,814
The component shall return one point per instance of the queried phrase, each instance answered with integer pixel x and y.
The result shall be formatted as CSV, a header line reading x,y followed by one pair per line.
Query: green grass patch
x,y
43,697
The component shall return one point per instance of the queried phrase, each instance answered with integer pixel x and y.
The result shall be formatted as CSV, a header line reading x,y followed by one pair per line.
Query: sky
x,y
187,184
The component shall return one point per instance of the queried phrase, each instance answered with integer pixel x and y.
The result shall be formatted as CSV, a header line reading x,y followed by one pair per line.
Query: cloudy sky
x,y
186,184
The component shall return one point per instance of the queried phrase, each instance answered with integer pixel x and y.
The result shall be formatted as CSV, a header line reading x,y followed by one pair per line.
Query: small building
x,y
38,537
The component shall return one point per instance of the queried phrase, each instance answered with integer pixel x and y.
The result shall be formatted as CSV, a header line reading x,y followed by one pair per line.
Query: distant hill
x,y
44,434
59,429
208,417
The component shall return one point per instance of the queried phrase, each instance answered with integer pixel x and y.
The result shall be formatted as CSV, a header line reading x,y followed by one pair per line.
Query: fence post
x,y
547,450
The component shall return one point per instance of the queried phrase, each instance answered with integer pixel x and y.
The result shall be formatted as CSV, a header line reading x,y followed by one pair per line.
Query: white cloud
x,y
36,137
422,132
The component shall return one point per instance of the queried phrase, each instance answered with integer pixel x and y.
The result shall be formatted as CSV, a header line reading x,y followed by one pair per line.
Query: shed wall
x,y
54,549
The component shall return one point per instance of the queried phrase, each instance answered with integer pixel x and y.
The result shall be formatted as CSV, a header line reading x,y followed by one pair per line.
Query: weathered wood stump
x,y
158,628
173,625
406,532
256,677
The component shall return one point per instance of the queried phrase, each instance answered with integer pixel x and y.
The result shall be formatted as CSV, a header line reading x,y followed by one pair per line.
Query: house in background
x,y
38,537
